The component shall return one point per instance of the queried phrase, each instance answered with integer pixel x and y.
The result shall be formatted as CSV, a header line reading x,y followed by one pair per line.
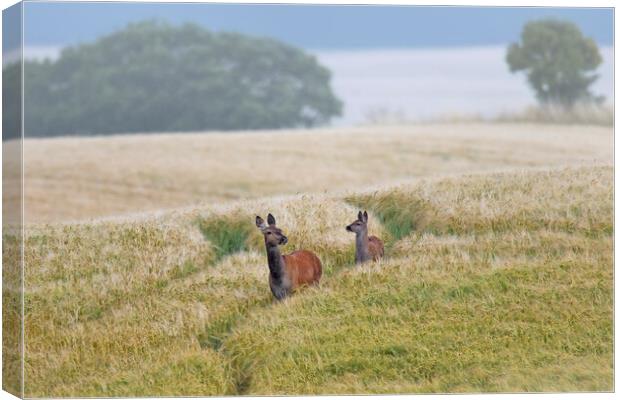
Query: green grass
x,y
227,234
450,333
492,283
11,313
192,374
400,213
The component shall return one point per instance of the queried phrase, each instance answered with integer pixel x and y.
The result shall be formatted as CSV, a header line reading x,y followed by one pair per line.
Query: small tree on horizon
x,y
558,62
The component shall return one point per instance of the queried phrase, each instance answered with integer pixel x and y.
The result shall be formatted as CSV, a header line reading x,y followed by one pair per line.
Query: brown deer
x,y
366,247
290,271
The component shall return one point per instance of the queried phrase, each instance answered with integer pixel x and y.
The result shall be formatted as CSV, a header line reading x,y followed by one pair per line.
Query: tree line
x,y
155,77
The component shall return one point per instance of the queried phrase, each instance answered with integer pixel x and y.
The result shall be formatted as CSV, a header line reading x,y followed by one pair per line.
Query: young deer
x,y
290,271
366,247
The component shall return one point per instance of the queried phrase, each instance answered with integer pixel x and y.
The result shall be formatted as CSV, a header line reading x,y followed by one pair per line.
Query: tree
x,y
154,77
558,61
11,101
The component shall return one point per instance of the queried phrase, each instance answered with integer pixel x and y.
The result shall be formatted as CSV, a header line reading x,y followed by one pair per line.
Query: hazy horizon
x,y
415,62
419,84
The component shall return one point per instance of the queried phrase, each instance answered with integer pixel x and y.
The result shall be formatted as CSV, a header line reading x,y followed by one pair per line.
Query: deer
x,y
366,247
289,271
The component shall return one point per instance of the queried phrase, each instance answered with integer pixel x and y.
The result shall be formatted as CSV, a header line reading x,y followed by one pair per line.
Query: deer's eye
x,y
268,233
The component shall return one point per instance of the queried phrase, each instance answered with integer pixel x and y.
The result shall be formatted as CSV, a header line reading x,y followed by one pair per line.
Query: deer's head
x,y
360,225
273,235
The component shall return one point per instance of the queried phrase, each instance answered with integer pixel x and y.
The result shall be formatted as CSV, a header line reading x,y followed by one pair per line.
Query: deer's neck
x,y
361,247
276,262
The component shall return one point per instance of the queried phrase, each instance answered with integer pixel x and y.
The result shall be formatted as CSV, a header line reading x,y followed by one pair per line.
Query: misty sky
x,y
419,61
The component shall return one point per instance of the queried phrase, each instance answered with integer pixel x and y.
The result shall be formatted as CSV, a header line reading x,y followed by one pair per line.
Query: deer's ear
x,y
271,220
360,216
260,223
365,216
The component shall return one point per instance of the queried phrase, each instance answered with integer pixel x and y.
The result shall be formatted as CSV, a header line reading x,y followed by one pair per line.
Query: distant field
x,y
497,276
80,178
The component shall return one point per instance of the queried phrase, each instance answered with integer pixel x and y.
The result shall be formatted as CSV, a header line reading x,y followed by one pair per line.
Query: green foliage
x,y
152,77
400,213
11,101
227,234
558,61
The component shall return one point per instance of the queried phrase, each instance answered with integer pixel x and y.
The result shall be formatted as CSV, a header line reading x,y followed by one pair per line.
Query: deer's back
x,y
303,268
375,247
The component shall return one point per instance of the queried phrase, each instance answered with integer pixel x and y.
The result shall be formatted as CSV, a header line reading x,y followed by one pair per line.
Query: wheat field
x,y
70,179
497,276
